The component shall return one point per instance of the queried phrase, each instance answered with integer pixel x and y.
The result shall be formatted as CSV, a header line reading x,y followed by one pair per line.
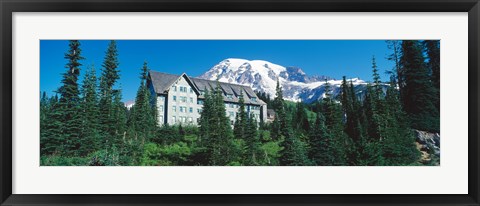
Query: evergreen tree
x,y
399,144
44,111
51,133
240,126
252,142
89,108
396,73
376,79
320,152
109,77
69,104
215,130
119,114
334,125
294,150
143,117
301,122
390,139
418,95
353,126
432,48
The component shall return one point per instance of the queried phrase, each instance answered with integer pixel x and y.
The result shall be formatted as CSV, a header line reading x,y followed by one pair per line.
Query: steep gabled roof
x,y
162,82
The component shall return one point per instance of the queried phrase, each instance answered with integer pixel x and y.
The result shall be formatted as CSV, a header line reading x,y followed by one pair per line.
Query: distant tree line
x,y
87,124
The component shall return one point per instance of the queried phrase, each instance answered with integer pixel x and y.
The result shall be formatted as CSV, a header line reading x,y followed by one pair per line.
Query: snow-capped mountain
x,y
129,104
262,76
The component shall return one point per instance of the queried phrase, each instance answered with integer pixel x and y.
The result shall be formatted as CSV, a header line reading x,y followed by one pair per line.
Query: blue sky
x,y
333,58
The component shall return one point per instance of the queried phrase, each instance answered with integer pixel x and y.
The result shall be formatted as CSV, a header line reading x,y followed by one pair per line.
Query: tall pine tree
x,y
215,130
432,48
418,94
69,104
143,117
294,150
89,106
334,124
110,75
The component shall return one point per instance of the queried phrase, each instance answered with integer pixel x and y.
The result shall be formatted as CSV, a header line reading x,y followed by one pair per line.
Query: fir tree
x,y
215,130
252,142
89,108
119,114
320,151
143,117
432,48
301,122
353,126
109,77
396,73
240,126
418,95
52,139
399,145
69,104
334,125
294,150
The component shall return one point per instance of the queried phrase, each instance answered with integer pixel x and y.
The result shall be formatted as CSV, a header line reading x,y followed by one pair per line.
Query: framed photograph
x,y
231,102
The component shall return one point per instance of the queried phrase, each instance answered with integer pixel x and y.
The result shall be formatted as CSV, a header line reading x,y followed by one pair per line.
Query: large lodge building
x,y
180,98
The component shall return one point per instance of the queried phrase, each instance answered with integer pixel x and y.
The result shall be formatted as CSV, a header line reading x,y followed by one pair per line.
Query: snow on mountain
x,y
262,76
129,104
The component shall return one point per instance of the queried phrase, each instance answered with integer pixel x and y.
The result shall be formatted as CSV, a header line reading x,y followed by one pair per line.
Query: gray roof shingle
x,y
162,81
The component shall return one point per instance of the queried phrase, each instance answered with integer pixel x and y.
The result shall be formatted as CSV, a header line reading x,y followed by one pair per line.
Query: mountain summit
x,y
262,76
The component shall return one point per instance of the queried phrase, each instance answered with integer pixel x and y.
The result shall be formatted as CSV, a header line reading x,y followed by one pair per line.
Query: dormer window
x,y
229,96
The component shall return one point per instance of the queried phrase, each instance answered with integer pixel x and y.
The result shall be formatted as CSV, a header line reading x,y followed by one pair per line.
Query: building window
x,y
183,109
200,102
199,111
160,118
190,120
174,88
183,89
253,99
230,96
174,119
232,105
174,98
191,90
183,99
160,108
232,114
174,108
191,109
191,99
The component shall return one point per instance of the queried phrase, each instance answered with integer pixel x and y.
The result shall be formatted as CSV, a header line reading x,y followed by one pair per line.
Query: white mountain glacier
x,y
262,76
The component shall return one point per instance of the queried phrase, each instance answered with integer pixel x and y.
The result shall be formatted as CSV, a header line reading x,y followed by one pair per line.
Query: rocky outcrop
x,y
429,145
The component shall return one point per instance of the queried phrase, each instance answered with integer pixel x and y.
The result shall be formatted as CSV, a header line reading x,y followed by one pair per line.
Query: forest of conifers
x,y
86,123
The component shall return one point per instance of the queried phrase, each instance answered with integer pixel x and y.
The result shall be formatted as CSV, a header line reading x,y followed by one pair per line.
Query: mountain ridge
x,y
262,76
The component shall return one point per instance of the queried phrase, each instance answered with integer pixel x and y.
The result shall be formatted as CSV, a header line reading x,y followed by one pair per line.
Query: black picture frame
x,y
7,7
